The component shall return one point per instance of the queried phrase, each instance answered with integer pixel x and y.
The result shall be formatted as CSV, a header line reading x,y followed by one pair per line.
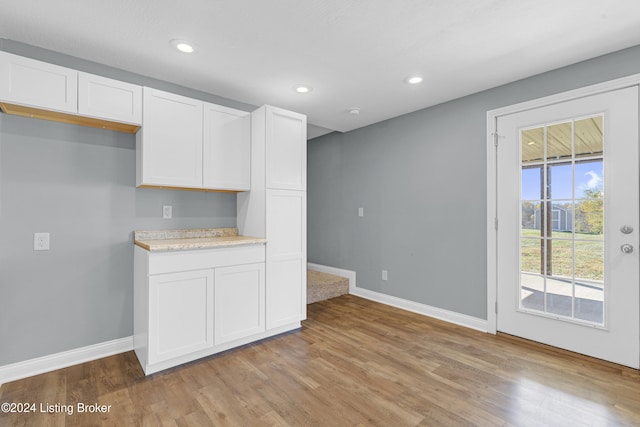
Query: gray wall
x,y
78,184
421,179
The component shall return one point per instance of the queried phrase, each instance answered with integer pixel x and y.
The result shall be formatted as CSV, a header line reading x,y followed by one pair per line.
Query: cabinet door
x,y
286,149
227,148
239,302
109,99
170,141
180,314
37,84
286,257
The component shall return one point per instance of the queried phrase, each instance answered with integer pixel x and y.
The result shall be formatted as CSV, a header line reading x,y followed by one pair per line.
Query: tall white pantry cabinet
x,y
276,209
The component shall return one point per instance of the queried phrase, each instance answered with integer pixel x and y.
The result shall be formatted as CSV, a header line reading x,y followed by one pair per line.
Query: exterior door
x,y
567,238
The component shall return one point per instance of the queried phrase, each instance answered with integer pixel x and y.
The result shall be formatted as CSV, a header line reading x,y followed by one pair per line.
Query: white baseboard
x,y
40,365
426,310
415,307
351,275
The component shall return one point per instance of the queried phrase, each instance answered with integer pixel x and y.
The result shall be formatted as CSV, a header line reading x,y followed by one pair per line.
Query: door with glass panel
x,y
567,187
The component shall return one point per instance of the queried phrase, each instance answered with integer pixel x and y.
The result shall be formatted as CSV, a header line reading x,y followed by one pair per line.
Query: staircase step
x,y
322,286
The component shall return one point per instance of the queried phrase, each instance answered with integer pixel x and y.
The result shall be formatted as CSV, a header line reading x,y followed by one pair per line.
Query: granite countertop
x,y
201,238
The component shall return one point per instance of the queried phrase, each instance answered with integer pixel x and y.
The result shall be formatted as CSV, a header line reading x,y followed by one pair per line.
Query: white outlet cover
x,y
167,212
41,241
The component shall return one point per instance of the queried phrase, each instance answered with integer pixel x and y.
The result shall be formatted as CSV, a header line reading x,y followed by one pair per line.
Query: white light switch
x,y
167,212
360,212
40,241
385,275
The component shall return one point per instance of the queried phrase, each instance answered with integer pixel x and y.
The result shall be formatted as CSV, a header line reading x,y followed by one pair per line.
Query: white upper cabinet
x,y
190,144
109,99
169,144
45,91
286,149
185,143
227,148
38,84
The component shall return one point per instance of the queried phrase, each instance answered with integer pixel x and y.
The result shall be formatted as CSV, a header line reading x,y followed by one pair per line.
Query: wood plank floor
x,y
354,363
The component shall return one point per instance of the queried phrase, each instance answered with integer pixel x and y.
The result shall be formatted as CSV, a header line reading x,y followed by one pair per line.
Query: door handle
x,y
626,248
626,229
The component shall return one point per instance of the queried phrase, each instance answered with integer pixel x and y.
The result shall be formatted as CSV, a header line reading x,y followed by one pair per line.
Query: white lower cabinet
x,y
191,304
180,314
239,302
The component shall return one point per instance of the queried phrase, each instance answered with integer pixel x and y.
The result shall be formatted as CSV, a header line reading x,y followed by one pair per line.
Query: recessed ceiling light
x,y
182,45
531,143
413,79
302,88
354,111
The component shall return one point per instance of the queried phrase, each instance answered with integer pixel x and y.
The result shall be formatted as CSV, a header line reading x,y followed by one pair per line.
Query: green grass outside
x,y
589,254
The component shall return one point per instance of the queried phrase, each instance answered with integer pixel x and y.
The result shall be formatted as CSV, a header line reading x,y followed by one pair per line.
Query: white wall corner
x,y
40,365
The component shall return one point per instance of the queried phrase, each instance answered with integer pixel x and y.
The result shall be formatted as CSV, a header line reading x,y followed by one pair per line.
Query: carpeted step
x,y
321,286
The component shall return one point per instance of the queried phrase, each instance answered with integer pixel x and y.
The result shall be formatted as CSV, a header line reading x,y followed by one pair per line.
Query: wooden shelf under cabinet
x,y
20,110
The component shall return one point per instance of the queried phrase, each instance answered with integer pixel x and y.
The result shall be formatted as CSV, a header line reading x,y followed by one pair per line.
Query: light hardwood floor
x,y
354,363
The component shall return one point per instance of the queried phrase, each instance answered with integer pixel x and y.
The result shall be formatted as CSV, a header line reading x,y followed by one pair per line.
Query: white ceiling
x,y
354,53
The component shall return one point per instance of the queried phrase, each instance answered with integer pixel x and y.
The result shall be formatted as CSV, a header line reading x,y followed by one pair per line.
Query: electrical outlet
x,y
360,212
167,212
40,241
385,275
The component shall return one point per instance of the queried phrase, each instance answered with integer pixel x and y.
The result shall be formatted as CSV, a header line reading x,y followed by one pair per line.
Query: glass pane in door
x,y
559,297
589,301
588,137
531,252
559,141
532,142
559,181
561,238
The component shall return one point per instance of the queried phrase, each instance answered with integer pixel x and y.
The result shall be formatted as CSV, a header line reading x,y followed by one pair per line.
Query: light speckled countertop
x,y
201,238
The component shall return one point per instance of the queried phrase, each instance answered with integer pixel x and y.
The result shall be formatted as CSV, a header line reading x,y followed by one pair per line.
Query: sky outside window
x,y
588,175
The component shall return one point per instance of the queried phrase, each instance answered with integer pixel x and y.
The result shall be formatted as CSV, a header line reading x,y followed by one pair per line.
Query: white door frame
x,y
492,196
